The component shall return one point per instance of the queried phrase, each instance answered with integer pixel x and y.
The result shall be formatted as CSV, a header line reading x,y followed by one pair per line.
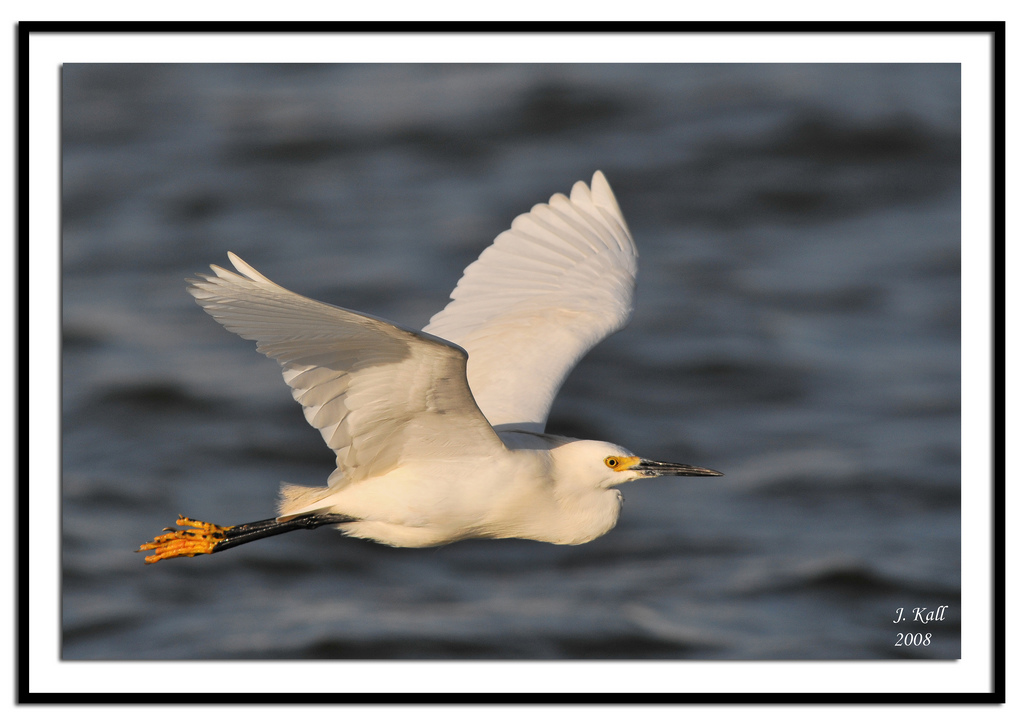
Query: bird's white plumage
x,y
378,393
432,448
548,290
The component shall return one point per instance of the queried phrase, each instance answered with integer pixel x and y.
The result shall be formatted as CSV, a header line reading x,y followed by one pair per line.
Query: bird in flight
x,y
439,433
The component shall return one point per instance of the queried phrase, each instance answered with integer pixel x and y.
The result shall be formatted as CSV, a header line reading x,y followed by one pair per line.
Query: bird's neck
x,y
576,517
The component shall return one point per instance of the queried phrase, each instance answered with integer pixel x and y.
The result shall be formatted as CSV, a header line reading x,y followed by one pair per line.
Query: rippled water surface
x,y
797,327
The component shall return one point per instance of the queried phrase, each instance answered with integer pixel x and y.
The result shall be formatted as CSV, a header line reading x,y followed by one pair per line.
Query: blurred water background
x,y
797,327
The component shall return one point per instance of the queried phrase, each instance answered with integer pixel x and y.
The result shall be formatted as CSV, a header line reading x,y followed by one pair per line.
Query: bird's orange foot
x,y
201,538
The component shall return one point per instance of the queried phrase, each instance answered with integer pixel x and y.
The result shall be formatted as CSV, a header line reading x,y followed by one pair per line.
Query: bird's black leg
x,y
245,533
204,538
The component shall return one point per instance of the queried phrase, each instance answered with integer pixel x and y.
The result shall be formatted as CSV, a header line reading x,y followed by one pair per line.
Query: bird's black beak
x,y
664,468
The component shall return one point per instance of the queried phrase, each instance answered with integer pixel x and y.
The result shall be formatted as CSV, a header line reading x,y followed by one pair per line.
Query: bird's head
x,y
606,465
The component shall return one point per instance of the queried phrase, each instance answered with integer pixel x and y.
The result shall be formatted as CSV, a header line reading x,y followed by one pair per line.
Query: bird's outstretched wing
x,y
378,393
546,292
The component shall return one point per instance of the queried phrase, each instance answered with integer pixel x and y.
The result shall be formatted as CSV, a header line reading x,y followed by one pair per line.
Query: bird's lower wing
x,y
546,292
378,393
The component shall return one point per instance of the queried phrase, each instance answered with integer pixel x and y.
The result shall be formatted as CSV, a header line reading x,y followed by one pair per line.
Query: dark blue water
x,y
797,327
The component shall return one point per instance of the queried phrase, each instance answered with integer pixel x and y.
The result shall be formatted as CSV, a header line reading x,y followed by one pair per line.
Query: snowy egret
x,y
439,433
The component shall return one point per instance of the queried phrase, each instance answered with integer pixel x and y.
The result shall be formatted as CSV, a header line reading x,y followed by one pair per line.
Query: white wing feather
x,y
378,393
546,292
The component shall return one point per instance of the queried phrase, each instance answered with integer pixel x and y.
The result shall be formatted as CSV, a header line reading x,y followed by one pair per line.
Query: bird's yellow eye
x,y
620,463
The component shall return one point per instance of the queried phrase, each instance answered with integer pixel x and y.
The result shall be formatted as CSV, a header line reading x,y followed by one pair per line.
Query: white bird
x,y
439,433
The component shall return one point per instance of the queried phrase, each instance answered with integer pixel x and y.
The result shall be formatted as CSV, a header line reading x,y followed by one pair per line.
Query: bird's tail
x,y
296,499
